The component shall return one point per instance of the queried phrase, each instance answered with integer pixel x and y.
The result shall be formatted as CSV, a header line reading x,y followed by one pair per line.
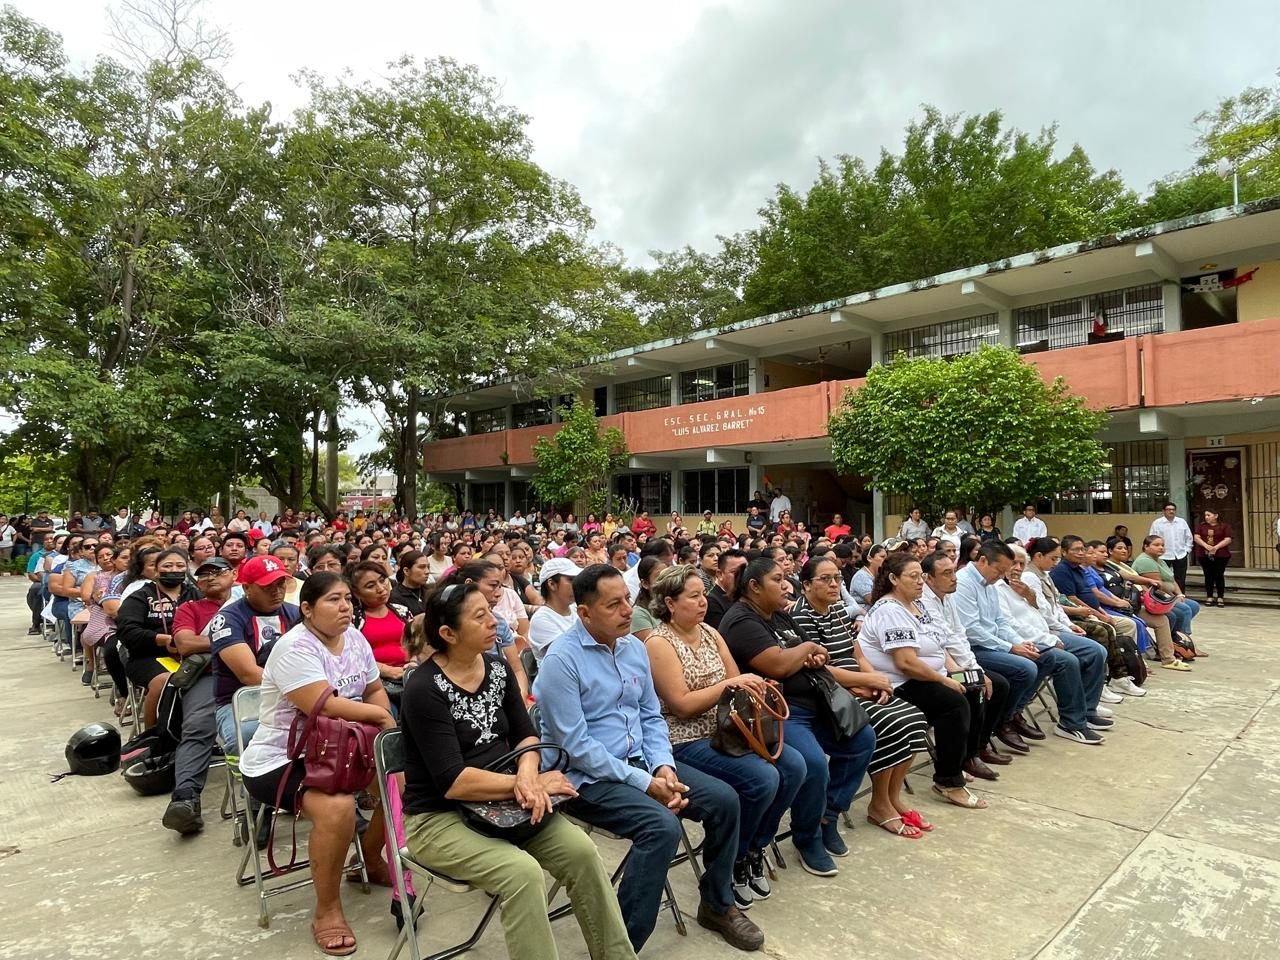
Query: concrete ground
x,y
1162,843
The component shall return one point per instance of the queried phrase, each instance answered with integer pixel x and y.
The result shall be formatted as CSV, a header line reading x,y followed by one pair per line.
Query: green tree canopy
x,y
578,461
981,430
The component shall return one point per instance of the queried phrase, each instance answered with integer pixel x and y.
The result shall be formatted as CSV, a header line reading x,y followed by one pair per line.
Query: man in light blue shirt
x,y
995,642
596,698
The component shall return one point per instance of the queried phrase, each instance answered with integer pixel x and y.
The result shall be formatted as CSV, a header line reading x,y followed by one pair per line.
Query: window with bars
x,y
645,491
489,421
715,383
647,394
1135,480
948,339
720,491
1070,322
486,497
532,413
526,499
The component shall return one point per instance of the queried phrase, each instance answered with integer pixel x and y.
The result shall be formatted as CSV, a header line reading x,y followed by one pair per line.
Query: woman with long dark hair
x,y
764,639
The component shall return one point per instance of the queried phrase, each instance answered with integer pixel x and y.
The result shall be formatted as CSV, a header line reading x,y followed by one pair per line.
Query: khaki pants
x,y
444,842
1158,624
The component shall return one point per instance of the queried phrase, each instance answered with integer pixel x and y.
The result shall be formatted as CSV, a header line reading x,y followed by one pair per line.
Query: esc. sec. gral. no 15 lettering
x,y
727,420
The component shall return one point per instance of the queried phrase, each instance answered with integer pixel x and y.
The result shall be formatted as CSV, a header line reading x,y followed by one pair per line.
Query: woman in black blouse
x,y
765,640
461,711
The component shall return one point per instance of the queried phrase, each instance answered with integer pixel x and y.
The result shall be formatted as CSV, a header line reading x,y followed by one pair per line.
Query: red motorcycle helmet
x,y
1157,602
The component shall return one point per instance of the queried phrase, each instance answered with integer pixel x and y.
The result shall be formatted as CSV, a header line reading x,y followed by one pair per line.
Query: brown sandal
x,y
339,932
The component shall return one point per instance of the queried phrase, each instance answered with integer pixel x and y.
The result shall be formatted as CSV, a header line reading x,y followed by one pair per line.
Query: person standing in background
x,y
1213,551
1177,541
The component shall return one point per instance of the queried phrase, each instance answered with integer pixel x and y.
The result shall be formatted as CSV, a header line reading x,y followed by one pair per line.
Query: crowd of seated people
x,y
633,637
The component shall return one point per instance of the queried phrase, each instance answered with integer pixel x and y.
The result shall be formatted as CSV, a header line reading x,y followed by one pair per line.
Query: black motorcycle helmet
x,y
151,777
94,750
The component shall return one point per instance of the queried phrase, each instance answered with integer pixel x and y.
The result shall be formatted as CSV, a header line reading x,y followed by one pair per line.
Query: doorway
x,y
1215,482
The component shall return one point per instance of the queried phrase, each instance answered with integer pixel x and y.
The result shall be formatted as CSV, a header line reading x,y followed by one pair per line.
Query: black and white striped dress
x,y
899,725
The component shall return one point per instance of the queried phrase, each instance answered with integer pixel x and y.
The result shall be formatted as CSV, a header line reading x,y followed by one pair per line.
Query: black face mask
x,y
172,578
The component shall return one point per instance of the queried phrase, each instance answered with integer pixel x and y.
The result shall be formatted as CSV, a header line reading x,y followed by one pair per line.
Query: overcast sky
x,y
676,119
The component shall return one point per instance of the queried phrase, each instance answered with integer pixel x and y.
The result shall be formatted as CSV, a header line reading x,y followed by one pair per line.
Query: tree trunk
x,y
409,457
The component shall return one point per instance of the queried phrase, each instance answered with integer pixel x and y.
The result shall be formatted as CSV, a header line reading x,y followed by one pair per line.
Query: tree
x,y
963,191
982,430
98,294
27,484
579,460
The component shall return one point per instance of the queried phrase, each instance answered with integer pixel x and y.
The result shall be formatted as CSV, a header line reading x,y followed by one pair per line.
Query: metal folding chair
x,y
99,678
245,705
388,755
1044,694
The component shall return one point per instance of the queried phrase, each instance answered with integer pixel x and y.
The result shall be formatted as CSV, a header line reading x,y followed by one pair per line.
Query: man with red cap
x,y
241,635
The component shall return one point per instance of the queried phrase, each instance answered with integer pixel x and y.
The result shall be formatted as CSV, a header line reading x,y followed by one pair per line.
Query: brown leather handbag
x,y
747,723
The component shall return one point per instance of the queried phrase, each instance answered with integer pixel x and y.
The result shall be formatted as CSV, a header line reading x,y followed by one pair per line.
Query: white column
x,y
1171,294
508,497
877,348
877,515
1008,331
1178,473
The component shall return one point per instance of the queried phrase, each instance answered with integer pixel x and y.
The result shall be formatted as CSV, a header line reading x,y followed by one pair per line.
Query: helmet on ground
x,y
1156,601
151,777
94,750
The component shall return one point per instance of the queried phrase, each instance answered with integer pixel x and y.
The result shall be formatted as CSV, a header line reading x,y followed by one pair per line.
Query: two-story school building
x,y
1174,328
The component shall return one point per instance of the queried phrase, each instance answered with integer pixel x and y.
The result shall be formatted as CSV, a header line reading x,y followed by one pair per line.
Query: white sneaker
x,y
1101,711
1126,686
1106,696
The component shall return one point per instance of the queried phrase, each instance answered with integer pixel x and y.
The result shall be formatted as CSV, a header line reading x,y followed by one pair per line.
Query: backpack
x,y
169,712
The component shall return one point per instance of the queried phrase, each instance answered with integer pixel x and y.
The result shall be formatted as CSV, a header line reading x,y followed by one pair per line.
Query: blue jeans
x,y
828,786
225,721
654,832
1021,673
1181,614
1093,665
765,790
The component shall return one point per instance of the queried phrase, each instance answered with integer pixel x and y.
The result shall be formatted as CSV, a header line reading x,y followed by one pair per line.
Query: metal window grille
x,y
488,496
1068,323
489,421
532,413
1263,503
948,339
527,500
646,491
721,491
1135,481
715,383
647,394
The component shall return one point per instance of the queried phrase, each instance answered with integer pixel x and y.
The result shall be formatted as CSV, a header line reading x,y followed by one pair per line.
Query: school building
x,y
1173,328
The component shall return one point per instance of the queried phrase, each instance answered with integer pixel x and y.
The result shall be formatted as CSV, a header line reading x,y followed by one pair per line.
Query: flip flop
x,y
970,802
339,933
900,831
913,817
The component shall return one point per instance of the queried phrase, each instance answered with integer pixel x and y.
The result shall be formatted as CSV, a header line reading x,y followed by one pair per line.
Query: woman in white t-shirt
x,y
321,653
901,640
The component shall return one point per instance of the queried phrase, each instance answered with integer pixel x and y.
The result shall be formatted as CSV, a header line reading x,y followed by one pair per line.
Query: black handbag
x,y
506,819
843,709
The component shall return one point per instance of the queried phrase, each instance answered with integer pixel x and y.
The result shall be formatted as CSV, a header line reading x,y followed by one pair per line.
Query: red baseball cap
x,y
262,571
255,534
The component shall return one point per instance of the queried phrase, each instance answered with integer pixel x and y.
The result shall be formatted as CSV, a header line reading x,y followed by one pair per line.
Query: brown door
x,y
1214,483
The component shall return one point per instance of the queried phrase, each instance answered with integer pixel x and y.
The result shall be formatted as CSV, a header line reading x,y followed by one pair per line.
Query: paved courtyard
x,y
1164,843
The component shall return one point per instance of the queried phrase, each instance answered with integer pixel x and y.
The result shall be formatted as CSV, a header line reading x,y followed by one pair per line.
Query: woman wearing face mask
x,y
144,625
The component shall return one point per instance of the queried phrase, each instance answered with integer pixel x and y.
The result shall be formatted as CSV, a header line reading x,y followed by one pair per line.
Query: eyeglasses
x,y
829,578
